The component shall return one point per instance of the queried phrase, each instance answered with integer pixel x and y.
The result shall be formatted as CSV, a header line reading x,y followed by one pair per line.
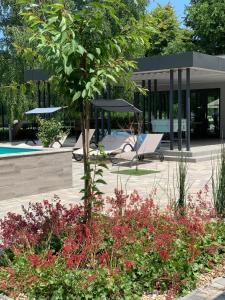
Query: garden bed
x,y
133,249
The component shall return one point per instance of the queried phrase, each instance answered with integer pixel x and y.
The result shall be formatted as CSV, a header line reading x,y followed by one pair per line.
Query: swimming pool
x,y
14,150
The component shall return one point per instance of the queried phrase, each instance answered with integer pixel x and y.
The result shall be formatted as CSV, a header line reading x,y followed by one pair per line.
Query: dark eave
x,y
180,61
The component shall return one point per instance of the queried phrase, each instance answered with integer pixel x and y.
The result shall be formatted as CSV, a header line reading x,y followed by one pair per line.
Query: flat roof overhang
x,y
204,68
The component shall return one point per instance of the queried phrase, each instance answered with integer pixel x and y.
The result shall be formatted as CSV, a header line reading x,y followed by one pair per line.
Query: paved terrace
x,y
164,183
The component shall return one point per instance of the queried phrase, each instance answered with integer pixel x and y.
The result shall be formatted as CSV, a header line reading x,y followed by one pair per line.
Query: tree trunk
x,y
85,125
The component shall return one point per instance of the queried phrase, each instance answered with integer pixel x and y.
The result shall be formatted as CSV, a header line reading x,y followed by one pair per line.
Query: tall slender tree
x,y
85,49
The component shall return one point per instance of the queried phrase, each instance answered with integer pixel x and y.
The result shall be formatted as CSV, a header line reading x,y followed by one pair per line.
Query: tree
x,y
207,20
181,43
167,37
85,49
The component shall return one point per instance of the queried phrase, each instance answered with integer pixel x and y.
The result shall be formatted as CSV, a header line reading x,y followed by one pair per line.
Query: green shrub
x,y
49,131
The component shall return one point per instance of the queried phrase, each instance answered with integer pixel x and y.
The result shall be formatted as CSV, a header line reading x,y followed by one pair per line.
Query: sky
x,y
179,5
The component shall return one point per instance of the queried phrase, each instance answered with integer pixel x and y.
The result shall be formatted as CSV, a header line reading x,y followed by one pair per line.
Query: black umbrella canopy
x,y
115,105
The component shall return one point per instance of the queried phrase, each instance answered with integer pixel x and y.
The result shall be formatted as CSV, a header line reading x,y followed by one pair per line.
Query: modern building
x,y
186,98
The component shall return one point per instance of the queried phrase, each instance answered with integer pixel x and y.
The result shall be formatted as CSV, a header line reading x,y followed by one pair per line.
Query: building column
x,y
171,110
179,109
96,127
156,98
108,113
49,93
188,109
39,94
102,123
149,105
44,94
144,108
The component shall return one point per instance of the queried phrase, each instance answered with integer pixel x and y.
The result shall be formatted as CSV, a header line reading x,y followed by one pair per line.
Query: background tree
x,y
167,36
85,49
207,20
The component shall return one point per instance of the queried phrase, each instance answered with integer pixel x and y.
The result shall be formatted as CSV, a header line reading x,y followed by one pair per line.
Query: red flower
x,y
46,202
164,254
128,264
103,258
35,260
67,248
151,228
70,263
77,258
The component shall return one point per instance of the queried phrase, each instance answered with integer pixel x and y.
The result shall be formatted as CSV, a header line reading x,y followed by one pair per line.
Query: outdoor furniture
x,y
149,146
59,142
110,146
78,147
115,144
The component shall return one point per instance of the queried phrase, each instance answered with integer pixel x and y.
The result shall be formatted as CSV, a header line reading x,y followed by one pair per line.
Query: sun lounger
x,y
110,146
149,146
59,142
78,147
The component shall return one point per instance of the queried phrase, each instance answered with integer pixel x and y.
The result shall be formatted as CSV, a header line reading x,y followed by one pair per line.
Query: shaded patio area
x,y
185,97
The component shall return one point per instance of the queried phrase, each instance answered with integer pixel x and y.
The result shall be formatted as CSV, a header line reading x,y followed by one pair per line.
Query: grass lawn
x,y
134,172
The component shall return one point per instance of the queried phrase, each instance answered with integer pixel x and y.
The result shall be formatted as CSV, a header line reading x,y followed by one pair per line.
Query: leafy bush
x,y
49,131
131,249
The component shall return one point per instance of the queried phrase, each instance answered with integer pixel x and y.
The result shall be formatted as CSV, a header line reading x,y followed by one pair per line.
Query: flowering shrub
x,y
131,249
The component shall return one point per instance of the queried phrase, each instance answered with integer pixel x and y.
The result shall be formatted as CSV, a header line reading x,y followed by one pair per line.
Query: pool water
x,y
14,150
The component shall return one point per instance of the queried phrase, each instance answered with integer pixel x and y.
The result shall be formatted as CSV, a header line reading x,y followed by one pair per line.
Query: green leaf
x,y
68,69
98,51
90,56
111,77
52,20
100,181
63,25
76,96
80,49
84,94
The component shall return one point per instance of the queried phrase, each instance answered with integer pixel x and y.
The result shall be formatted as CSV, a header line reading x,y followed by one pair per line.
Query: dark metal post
x,y
39,94
179,109
188,109
171,110
149,105
44,94
102,123
156,98
143,129
49,94
109,114
96,127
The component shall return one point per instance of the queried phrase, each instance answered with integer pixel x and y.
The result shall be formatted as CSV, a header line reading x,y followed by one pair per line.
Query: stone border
x,y
212,291
37,152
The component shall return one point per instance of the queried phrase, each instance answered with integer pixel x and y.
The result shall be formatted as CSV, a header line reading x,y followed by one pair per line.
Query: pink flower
x,y
128,264
46,203
164,254
151,228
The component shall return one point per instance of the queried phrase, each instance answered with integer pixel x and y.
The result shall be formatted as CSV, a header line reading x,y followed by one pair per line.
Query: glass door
x,y
205,113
